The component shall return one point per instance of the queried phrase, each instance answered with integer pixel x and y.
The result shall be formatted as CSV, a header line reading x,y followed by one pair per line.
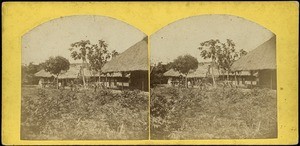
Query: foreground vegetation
x,y
181,113
64,114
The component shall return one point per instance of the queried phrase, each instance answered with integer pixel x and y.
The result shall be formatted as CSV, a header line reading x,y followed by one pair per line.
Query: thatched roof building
x,y
133,59
263,57
263,60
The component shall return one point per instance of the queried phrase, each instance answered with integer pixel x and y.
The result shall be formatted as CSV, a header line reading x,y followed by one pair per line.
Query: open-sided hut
x,y
134,61
263,60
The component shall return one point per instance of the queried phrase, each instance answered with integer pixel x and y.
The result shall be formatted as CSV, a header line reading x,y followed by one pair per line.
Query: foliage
x,y
114,53
180,113
222,54
55,65
98,55
228,55
210,50
65,114
184,64
79,51
28,72
94,54
157,72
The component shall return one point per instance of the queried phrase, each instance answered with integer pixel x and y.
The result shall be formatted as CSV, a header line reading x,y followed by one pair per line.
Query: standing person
x,y
41,82
189,83
59,85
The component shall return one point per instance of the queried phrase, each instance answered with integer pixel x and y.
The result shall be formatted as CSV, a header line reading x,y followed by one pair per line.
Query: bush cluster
x,y
65,114
180,113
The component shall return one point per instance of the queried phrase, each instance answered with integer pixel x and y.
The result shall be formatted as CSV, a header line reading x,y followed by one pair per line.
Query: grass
x,y
222,113
83,115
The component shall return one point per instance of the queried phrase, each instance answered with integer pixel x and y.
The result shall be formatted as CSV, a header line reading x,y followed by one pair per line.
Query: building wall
x,y
267,79
139,80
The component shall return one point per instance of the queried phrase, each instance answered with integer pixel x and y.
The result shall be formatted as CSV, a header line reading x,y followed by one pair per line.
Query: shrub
x,y
65,114
178,113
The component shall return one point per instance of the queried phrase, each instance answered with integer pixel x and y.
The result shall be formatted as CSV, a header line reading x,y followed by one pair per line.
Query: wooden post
x,y
251,75
122,80
236,83
106,81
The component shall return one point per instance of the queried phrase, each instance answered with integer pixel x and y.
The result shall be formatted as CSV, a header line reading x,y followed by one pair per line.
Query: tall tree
x,y
79,51
98,55
55,65
228,55
210,50
184,64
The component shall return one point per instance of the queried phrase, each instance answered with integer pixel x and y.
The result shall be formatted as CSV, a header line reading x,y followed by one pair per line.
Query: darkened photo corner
x,y
213,77
84,78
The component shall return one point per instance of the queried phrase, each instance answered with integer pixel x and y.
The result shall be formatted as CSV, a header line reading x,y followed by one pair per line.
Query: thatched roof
x,y
172,73
133,59
43,73
201,72
263,57
72,73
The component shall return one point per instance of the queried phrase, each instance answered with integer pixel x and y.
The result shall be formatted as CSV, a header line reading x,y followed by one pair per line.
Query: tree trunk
x,y
83,79
57,81
212,73
228,75
123,74
186,82
106,83
219,71
99,79
251,77
236,82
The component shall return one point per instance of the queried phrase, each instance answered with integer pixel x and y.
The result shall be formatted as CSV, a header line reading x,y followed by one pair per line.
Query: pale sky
x,y
54,37
184,36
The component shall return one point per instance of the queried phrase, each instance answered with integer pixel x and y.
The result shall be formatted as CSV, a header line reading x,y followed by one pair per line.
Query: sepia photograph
x,y
213,77
84,77
150,73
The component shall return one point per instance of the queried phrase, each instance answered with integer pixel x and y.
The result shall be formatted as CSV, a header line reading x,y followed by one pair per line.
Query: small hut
x,y
133,61
45,78
261,60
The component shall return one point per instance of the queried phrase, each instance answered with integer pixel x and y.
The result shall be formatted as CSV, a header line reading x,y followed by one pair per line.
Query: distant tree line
x,y
28,71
